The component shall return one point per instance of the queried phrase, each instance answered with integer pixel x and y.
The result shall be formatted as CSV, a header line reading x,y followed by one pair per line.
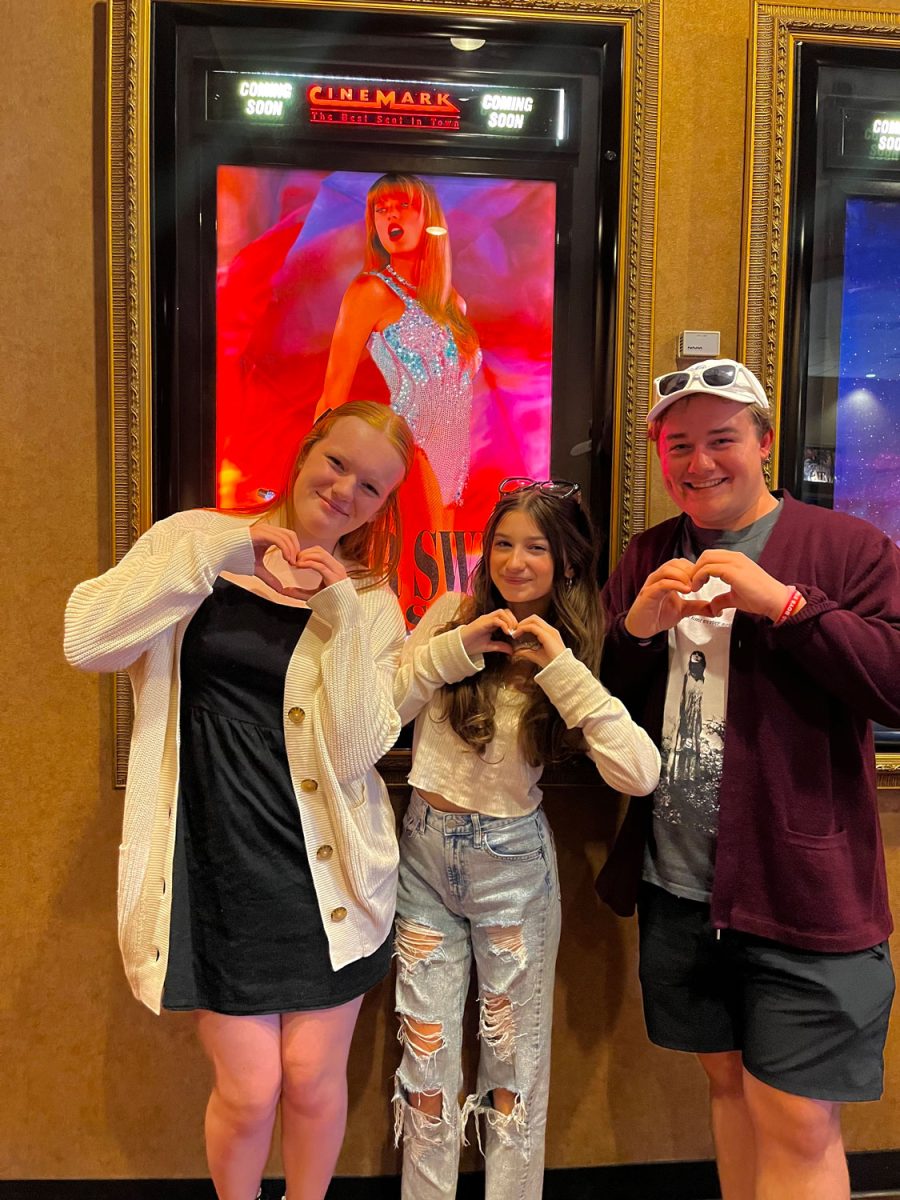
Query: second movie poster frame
x,y
777,32
129,153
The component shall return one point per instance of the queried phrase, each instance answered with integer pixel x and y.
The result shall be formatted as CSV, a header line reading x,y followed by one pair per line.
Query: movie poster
x,y
867,453
476,387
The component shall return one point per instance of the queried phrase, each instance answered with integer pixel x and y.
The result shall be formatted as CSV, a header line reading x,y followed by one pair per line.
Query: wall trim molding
x,y
872,1173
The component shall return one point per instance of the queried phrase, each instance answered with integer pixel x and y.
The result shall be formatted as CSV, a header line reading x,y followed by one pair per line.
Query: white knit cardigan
x,y
339,719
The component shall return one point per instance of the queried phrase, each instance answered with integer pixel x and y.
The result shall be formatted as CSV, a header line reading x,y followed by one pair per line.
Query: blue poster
x,y
867,451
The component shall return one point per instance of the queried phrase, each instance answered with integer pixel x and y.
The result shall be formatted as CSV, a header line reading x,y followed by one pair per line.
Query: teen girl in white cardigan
x,y
258,862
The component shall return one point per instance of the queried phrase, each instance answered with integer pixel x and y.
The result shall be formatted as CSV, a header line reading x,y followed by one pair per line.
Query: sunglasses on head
x,y
720,375
561,489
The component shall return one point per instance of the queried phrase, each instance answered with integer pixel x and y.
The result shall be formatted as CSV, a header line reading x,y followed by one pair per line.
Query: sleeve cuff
x,y
574,691
337,604
450,657
816,604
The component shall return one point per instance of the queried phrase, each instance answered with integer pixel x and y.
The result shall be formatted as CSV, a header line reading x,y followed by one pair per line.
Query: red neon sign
x,y
412,108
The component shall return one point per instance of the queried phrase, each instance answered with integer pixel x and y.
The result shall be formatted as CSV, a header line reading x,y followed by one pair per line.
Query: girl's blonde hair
x,y
435,291
373,550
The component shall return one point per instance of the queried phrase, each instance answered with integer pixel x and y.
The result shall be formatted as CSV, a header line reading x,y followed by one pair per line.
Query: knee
x,y
420,1108
249,1101
315,1089
424,1120
430,1103
793,1127
506,1115
504,1101
806,1137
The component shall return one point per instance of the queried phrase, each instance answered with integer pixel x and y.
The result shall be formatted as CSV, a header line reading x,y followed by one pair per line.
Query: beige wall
x,y
94,1085
701,183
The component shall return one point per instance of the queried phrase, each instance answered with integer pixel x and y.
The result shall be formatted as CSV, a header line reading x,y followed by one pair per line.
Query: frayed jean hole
x,y
423,1131
514,1099
497,1026
510,1128
424,1038
412,1096
415,943
508,940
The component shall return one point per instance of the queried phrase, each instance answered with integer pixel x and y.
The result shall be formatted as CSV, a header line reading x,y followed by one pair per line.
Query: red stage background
x,y
289,243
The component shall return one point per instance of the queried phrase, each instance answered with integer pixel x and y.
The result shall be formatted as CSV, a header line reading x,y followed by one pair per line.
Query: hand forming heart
x,y
278,555
665,598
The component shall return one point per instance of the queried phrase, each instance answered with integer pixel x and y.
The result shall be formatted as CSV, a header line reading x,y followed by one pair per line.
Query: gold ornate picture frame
x,y
777,31
129,251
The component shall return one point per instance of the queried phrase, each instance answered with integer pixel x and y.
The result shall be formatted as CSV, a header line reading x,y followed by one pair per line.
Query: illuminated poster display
x,y
309,314
867,451
861,134
885,137
310,102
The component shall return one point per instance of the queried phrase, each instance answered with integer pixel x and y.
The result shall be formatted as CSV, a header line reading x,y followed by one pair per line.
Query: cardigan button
x,y
309,785
338,914
324,853
296,715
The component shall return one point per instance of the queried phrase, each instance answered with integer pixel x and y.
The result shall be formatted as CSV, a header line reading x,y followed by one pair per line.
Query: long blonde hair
x,y
435,290
372,550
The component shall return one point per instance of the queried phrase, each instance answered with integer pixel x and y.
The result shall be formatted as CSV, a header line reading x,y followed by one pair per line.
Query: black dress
x,y
246,935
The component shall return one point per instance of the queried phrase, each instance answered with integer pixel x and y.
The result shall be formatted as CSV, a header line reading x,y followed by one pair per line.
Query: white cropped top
x,y
501,783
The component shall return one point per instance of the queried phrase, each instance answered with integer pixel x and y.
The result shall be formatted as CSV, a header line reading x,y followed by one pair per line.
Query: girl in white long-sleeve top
x,y
258,863
500,683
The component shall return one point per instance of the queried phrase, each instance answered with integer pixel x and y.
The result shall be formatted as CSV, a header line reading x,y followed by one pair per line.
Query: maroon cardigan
x,y
799,856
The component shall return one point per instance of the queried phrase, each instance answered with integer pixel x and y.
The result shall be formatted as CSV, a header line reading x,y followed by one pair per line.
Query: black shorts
x,y
806,1023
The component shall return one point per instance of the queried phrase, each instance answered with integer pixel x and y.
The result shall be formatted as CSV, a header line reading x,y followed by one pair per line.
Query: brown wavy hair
x,y
373,550
435,290
575,611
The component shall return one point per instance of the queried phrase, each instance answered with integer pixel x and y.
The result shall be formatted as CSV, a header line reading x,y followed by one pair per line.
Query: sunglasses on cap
x,y
720,376
561,489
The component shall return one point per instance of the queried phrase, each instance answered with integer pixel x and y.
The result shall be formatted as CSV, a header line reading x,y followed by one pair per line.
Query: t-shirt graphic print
x,y
693,738
681,853
681,850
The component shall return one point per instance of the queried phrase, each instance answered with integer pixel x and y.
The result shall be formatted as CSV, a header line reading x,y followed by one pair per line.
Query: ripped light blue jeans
x,y
486,888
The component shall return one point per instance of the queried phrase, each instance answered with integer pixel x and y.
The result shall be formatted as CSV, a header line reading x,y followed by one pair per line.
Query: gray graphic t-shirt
x,y
681,852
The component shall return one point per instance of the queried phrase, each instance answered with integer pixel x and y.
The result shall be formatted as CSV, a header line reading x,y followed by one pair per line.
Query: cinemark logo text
x,y
413,108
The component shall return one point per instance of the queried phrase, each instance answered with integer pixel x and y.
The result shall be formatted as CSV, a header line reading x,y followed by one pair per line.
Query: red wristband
x,y
790,607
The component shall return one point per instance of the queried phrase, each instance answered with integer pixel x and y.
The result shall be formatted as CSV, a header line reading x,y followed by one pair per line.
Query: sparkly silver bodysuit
x,y
430,387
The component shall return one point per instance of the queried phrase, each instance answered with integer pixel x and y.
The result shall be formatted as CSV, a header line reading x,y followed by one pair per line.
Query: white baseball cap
x,y
722,377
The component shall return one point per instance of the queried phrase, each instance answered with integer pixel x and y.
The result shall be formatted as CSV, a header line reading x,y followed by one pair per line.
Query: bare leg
x,y
246,1055
314,1050
732,1126
799,1148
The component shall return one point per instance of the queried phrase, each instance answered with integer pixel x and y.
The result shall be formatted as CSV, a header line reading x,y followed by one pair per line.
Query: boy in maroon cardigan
x,y
756,638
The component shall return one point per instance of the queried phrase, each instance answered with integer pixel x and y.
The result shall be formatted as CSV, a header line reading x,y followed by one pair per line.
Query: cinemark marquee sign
x,y
316,103
410,107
